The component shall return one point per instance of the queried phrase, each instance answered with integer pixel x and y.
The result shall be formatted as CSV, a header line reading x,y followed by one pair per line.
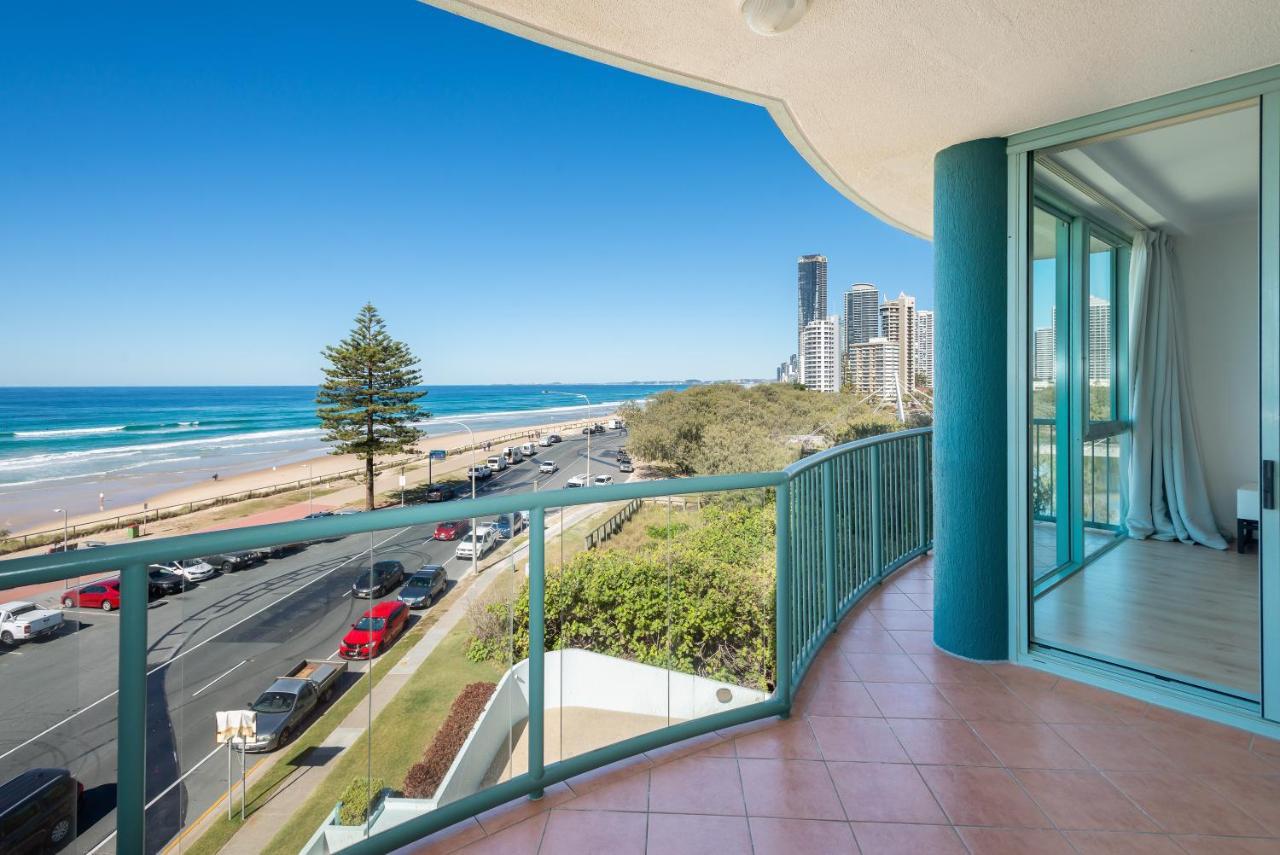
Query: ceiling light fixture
x,y
770,17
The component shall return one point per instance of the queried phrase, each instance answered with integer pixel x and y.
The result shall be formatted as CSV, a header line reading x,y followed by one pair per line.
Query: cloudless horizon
x,y
207,194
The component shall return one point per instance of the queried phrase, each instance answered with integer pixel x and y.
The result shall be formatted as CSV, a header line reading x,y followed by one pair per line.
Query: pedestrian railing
x,y
612,525
840,521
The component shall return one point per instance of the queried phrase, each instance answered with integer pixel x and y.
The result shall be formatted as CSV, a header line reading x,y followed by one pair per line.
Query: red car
x,y
371,635
103,594
452,530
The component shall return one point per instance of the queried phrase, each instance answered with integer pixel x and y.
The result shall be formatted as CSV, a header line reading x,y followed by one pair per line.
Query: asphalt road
x,y
215,646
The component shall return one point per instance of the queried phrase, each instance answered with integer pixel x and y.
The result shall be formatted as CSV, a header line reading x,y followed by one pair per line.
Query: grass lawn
x,y
402,732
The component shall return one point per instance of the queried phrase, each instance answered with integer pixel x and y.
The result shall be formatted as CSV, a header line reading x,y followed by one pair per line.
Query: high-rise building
x,y
1099,341
861,314
1043,358
874,367
788,371
820,355
898,325
811,292
924,347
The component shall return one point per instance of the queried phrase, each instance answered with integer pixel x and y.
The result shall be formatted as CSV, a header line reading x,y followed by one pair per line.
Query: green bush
x,y
701,602
359,799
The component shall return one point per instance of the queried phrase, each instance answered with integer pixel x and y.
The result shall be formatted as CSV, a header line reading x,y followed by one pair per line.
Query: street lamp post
x,y
472,438
63,511
589,425
311,507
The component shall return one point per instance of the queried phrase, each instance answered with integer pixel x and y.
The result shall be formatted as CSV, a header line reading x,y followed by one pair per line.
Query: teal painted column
x,y
971,588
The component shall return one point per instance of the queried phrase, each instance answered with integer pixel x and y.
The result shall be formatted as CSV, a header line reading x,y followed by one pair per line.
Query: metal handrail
x,y
845,518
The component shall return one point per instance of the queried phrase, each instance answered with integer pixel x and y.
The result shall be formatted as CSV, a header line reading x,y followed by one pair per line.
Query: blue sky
x,y
206,193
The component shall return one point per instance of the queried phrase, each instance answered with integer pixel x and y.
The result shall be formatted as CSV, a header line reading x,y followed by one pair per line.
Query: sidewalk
x,y
253,837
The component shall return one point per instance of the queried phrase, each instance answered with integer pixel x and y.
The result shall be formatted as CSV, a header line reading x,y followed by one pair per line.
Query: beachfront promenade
x,y
213,647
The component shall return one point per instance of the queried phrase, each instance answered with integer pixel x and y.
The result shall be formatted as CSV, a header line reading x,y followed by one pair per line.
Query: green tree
x,y
368,402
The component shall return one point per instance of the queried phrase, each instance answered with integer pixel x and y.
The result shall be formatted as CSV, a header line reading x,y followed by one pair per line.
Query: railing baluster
x,y
877,555
131,712
829,545
782,593
537,643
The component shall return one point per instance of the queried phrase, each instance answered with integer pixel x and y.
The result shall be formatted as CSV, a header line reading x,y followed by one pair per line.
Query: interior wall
x,y
1219,302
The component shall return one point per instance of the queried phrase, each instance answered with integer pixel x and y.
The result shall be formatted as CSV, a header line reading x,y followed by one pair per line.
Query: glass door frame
x,y
1263,85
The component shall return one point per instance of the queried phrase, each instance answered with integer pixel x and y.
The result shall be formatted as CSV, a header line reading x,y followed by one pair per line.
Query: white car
x,y
547,467
545,442
577,481
478,543
480,472
604,480
22,621
497,463
191,569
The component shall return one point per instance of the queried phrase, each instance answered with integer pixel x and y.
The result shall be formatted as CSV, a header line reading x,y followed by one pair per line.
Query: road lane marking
x,y
166,790
216,679
169,662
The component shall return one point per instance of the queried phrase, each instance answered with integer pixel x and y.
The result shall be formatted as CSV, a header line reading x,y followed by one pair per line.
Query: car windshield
x,y
161,575
370,624
365,579
384,567
273,702
22,610
419,582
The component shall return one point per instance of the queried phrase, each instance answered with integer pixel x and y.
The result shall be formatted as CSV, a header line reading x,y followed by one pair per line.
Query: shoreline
x,y
321,466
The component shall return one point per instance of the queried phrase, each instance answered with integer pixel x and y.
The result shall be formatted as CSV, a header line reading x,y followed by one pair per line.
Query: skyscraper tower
x,y
811,292
861,314
898,324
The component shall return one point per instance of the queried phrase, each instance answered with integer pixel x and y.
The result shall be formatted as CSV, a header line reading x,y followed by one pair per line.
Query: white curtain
x,y
1168,498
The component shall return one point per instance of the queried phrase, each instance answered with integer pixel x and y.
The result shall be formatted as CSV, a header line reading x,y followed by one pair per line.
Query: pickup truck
x,y
21,621
290,701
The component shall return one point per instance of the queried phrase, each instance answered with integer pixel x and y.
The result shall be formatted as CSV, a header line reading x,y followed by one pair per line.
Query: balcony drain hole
x,y
724,695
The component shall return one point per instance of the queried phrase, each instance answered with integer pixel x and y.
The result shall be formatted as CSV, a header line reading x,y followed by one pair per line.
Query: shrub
x,y
424,777
359,799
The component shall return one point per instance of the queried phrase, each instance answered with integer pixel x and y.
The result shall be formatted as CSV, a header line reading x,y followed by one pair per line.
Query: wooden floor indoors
x,y
1178,609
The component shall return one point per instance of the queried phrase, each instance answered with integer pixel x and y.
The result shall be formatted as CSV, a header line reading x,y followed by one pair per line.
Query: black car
x,y
425,587
161,582
38,811
230,562
440,492
383,577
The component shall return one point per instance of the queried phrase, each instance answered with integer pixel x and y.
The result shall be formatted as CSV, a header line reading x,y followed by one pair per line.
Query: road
x,y
214,646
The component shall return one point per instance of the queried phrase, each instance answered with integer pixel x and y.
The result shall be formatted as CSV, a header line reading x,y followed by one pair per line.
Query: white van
x,y
512,454
528,449
615,424
497,463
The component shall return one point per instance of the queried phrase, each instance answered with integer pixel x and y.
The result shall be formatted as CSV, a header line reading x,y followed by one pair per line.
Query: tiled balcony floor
x,y
894,747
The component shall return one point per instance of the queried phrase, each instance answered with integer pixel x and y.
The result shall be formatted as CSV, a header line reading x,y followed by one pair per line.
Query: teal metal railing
x,y
845,518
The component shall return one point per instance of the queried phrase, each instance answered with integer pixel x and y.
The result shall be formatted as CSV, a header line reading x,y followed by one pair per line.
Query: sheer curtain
x,y
1168,498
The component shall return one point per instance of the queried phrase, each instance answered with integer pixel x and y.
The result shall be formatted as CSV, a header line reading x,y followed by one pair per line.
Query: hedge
x,y
358,800
424,777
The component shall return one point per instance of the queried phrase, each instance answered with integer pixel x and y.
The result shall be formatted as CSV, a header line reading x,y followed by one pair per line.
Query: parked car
x,y
546,441
624,465
161,582
529,449
603,480
425,586
316,515
103,594
440,492
512,454
290,700
383,576
497,463
554,437
374,632
509,525
596,428
230,562
38,811
452,530
577,481
60,546
615,424
282,550
22,621
478,543
191,569
478,472
547,467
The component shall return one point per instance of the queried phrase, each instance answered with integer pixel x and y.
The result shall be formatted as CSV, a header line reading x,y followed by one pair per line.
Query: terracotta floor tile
x,y
684,748
974,795
914,640
866,641
1183,806
830,665
1199,845
773,836
913,586
1114,747
793,789
910,700
1199,726
1266,747
924,602
790,739
885,838
1205,754
836,698
890,619
990,703
522,838
1082,800
516,810
630,793
1015,841
1028,745
1017,677
1122,843
861,619
887,600
843,738
1129,709
1256,795
696,785
684,834
446,840
884,792
1058,708
576,832
941,741
886,668
623,768
941,668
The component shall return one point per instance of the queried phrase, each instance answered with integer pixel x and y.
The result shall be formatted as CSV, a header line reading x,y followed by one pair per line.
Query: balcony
x,y
823,721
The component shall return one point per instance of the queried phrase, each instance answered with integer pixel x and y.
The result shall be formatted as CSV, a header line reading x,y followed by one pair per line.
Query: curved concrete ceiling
x,y
869,90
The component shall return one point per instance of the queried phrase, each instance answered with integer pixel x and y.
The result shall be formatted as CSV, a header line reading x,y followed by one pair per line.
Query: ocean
x,y
62,446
